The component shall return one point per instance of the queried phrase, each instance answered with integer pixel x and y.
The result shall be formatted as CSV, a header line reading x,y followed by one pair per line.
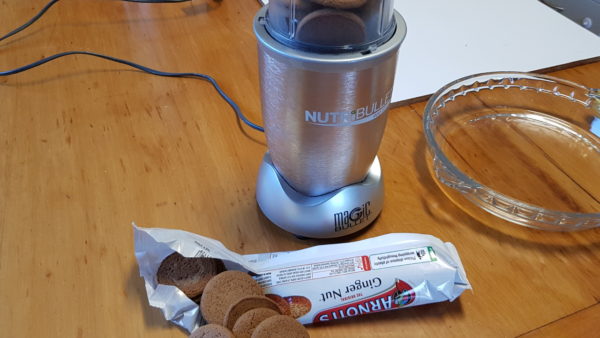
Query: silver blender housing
x,y
326,78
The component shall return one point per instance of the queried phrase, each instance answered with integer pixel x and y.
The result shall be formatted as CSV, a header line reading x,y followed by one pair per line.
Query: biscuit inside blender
x,y
331,27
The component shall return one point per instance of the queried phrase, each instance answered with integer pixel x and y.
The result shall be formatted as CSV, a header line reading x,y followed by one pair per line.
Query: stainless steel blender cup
x,y
326,74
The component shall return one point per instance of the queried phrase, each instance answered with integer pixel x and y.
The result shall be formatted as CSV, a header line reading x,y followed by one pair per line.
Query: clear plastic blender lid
x,y
331,26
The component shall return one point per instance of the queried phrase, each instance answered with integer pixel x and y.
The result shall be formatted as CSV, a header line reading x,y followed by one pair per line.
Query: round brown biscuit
x,y
223,290
284,307
342,4
243,305
188,274
331,27
280,326
212,331
247,322
299,305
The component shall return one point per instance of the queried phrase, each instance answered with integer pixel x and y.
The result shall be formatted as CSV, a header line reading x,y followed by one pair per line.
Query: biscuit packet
x,y
316,284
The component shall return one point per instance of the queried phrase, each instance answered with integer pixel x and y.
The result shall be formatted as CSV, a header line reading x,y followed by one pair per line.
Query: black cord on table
x,y
52,2
208,78
31,21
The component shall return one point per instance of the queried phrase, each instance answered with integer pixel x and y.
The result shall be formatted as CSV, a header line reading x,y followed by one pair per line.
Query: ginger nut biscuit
x,y
245,304
189,274
280,326
212,331
247,322
342,4
284,307
299,305
223,290
331,27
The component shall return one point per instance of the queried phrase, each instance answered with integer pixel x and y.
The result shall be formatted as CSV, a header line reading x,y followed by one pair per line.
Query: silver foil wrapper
x,y
333,281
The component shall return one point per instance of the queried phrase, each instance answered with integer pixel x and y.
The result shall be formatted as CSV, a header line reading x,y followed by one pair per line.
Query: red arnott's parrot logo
x,y
399,295
404,294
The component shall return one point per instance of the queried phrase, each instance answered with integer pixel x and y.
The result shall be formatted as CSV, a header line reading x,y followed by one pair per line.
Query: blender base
x,y
335,214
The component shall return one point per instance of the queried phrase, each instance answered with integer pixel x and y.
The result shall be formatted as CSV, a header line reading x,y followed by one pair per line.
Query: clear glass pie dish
x,y
520,146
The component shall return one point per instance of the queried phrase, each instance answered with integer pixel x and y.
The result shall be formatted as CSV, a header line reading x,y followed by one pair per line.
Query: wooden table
x,y
88,146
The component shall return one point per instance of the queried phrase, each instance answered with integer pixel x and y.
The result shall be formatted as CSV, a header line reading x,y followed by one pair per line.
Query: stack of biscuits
x,y
232,302
321,22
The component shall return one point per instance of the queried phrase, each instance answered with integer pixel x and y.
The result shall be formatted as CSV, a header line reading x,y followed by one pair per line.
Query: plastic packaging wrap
x,y
316,284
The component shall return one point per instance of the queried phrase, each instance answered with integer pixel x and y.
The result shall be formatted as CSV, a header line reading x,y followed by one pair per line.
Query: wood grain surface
x,y
88,146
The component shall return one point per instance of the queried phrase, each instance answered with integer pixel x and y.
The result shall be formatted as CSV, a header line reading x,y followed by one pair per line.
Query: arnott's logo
x,y
400,295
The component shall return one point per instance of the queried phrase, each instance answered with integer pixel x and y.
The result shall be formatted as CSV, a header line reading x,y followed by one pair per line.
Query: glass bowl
x,y
521,146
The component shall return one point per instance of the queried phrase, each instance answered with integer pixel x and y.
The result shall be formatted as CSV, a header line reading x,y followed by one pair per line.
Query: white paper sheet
x,y
448,40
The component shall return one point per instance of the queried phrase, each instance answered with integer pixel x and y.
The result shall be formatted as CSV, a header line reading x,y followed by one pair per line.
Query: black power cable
x,y
208,78
31,21
52,2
